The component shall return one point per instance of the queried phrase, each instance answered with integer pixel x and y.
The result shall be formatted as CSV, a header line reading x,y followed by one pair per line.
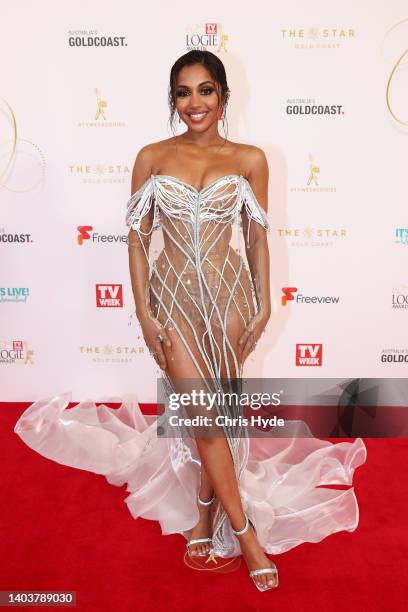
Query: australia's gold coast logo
x,y
206,36
22,163
313,182
395,53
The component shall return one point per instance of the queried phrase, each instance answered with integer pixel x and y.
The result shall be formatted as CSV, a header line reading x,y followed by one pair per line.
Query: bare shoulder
x,y
145,161
254,162
149,152
256,171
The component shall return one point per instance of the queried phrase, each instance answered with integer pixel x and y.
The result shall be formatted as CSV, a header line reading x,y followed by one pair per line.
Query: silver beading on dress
x,y
200,287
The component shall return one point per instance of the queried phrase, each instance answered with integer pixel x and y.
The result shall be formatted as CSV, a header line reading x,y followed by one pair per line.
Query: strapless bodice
x,y
219,201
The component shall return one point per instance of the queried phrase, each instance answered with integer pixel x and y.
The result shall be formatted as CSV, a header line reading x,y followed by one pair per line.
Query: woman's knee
x,y
210,441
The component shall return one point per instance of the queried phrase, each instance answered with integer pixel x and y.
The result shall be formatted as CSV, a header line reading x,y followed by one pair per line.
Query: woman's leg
x,y
180,367
217,460
203,527
219,472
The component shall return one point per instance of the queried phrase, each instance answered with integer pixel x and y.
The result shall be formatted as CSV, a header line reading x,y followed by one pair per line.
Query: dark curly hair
x,y
214,66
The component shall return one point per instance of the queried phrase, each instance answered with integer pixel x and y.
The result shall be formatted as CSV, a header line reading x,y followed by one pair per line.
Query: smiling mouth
x,y
197,116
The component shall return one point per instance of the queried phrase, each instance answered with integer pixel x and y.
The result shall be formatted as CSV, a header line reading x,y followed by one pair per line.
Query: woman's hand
x,y
155,336
252,333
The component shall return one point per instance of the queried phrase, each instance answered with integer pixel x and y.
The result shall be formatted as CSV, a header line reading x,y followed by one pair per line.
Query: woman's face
x,y
196,97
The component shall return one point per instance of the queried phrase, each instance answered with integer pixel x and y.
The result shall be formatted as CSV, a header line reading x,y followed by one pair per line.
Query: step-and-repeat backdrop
x,y
321,87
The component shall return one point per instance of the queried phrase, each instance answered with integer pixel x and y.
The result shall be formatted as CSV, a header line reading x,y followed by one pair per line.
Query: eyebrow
x,y
199,85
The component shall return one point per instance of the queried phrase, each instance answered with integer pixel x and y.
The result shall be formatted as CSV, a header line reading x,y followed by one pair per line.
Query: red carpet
x,y
63,528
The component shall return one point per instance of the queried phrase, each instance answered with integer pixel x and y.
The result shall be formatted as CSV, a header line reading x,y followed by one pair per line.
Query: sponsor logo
x,y
308,107
85,234
94,40
401,235
312,183
309,354
101,115
313,37
288,295
12,237
311,236
400,298
14,294
109,353
206,36
394,356
15,352
109,296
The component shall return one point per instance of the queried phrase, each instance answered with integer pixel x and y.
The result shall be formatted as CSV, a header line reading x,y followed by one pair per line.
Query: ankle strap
x,y
205,503
242,531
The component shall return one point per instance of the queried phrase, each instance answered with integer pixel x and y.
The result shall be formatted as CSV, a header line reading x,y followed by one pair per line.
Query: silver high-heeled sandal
x,y
201,540
258,572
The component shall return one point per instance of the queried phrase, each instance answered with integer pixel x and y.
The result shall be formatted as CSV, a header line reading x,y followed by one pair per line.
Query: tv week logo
x,y
109,296
309,354
210,28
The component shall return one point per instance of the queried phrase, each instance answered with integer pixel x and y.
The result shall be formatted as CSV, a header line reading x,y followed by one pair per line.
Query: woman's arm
x,y
139,241
138,250
257,251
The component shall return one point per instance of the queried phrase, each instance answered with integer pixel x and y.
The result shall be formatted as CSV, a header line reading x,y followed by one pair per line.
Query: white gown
x,y
200,287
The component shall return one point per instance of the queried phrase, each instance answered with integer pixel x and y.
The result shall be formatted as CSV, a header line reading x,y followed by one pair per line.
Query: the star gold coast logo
x,y
312,181
318,38
395,54
206,37
22,163
101,118
99,173
111,353
312,236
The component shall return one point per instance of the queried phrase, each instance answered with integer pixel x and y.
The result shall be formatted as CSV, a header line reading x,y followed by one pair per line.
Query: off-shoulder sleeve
x,y
253,208
139,205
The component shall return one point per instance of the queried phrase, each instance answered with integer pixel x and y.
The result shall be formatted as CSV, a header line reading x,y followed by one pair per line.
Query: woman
x,y
191,288
201,313
195,302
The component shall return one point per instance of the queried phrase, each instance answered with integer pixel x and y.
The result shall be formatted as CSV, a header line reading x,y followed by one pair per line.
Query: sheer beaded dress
x,y
201,290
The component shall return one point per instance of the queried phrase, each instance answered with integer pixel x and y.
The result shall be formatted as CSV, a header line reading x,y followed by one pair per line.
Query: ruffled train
x,y
279,484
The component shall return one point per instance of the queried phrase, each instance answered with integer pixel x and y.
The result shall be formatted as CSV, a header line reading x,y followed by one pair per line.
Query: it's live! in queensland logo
x,y
309,354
